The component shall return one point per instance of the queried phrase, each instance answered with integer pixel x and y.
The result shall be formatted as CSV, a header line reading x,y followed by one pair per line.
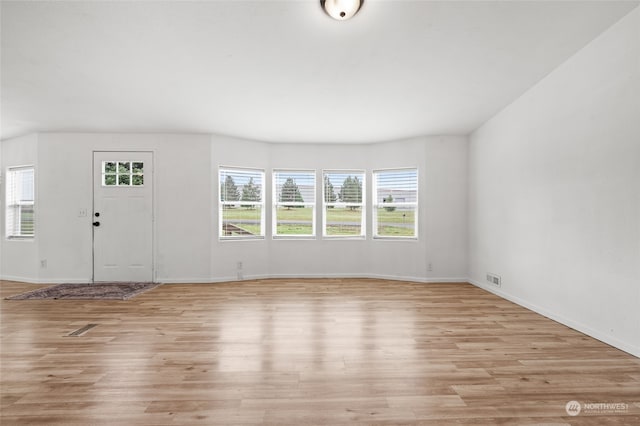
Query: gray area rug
x,y
97,291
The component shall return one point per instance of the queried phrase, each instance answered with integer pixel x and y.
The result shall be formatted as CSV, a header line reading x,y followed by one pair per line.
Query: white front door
x,y
122,216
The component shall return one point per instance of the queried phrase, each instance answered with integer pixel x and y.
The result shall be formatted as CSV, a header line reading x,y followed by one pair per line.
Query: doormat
x,y
97,291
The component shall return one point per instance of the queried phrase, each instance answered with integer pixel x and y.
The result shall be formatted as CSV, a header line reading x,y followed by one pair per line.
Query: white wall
x,y
18,258
228,151
187,247
442,163
555,192
181,197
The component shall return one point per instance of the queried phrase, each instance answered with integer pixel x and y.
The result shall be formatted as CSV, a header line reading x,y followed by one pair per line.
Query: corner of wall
x,y
553,185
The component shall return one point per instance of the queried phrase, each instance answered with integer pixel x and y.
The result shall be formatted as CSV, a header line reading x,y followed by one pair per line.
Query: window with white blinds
x,y
395,205
294,203
20,197
241,203
343,201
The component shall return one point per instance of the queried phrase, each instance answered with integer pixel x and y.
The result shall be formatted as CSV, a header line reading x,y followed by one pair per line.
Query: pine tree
x,y
229,190
290,193
389,199
329,192
351,191
250,192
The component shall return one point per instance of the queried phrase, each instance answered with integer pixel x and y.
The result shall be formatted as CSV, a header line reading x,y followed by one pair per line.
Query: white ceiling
x,y
282,70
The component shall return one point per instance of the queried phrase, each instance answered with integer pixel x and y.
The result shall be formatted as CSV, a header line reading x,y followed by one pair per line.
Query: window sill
x,y
345,237
294,237
22,239
382,238
257,238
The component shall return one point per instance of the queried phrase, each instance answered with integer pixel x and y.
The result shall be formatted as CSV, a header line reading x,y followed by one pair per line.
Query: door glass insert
x,y
122,173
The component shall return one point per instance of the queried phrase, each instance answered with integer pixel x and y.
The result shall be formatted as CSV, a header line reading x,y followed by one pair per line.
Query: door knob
x,y
96,223
96,214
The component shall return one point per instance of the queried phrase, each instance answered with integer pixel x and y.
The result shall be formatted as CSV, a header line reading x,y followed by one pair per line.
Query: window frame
x,y
376,204
260,204
276,203
12,203
362,204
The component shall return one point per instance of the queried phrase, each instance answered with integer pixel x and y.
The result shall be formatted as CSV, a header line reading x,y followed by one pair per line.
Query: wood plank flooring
x,y
294,352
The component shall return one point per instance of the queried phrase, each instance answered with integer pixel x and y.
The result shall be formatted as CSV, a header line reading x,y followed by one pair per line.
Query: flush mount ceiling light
x,y
341,9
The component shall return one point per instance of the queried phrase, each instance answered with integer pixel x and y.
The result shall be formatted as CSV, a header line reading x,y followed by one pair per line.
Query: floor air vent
x,y
79,332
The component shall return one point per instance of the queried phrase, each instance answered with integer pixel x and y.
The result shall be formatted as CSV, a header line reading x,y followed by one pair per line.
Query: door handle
x,y
96,223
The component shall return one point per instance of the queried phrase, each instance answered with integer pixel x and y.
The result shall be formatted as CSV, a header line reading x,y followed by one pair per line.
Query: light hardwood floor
x,y
293,352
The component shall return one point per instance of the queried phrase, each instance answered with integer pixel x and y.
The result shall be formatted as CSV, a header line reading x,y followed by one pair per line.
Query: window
x,y
294,204
20,223
343,196
241,208
122,173
395,208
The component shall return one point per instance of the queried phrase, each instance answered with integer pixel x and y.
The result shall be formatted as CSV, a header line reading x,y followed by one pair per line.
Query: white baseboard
x,y
585,329
426,280
184,280
29,280
283,276
337,276
67,281
302,276
311,276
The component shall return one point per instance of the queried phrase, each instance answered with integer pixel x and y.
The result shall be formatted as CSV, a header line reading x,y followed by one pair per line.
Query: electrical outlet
x,y
239,266
82,213
43,263
430,267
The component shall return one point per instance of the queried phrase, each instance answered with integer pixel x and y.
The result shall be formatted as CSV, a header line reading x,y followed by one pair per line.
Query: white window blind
x,y
241,203
343,201
294,203
20,196
395,207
